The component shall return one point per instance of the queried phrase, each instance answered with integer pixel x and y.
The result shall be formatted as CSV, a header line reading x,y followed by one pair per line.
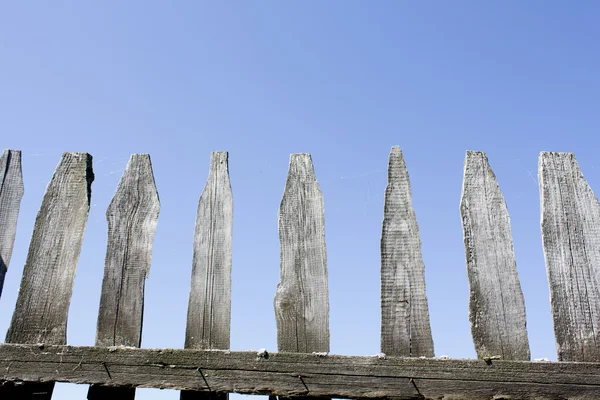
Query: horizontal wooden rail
x,y
294,374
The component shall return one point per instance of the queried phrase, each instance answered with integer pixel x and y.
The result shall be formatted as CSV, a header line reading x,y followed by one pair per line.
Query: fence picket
x,y
570,222
11,192
132,218
405,327
42,306
301,300
496,306
209,308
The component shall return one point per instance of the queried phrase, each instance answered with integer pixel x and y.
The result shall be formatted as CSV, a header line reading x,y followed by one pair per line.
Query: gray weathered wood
x,y
294,374
11,192
40,315
496,306
405,328
570,222
301,300
132,218
209,307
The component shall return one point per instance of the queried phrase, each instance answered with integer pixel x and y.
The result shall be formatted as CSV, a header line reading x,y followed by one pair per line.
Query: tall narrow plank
x,y
209,307
132,218
496,306
11,192
43,304
301,300
405,327
570,222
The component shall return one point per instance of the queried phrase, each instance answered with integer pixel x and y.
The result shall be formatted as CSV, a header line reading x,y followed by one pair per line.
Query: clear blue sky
x,y
343,80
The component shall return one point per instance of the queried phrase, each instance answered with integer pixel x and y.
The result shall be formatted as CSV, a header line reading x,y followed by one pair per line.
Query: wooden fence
x,y
35,354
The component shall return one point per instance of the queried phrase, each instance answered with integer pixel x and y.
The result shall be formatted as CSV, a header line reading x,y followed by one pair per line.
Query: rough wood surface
x,y
40,315
132,218
405,328
301,300
570,219
496,307
209,307
11,192
294,374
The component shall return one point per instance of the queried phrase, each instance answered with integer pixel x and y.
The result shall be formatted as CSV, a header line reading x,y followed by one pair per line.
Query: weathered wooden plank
x,y
132,218
301,300
496,306
405,327
570,222
295,374
11,192
209,307
40,315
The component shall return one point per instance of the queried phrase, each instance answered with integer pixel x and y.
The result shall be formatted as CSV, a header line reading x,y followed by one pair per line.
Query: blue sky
x,y
343,80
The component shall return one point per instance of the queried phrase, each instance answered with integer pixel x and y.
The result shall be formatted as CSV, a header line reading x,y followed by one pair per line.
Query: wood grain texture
x,y
294,374
301,301
570,222
40,315
209,307
11,192
43,303
496,306
132,218
405,327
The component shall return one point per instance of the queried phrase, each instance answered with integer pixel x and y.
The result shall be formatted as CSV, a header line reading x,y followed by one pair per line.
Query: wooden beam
x,y
296,374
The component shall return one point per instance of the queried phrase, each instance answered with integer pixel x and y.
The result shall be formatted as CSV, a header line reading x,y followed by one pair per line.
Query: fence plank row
x,y
570,222
40,315
294,374
132,218
209,307
11,192
405,327
496,306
